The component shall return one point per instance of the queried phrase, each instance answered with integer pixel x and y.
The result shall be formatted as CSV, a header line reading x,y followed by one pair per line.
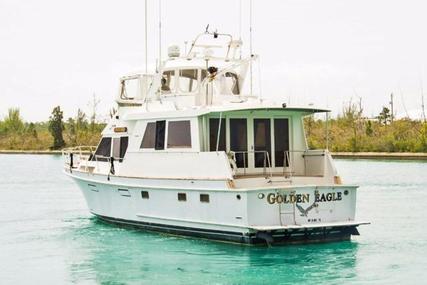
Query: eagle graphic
x,y
305,212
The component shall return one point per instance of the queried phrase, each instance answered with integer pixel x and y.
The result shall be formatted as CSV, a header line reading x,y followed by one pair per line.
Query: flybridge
x,y
209,73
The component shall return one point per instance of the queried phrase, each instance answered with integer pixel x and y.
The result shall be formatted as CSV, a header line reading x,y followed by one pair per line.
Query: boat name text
x,y
303,198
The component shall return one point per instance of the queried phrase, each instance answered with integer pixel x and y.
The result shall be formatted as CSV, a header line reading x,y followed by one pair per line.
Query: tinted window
x,y
182,197
145,195
116,148
149,136
160,135
204,198
179,134
213,135
120,146
281,141
124,141
239,141
103,150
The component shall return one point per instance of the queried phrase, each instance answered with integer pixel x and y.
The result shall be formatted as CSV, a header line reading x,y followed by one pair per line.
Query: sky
x,y
326,53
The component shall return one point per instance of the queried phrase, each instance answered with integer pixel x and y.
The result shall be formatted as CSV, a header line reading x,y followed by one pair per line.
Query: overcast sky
x,y
322,52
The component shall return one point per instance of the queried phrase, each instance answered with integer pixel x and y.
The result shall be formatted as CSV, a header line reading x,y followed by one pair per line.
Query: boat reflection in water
x,y
121,256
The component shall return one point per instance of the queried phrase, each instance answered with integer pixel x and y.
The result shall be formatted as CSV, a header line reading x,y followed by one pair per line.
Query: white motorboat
x,y
193,151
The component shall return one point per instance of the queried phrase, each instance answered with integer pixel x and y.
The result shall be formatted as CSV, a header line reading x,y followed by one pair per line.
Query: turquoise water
x,y
47,236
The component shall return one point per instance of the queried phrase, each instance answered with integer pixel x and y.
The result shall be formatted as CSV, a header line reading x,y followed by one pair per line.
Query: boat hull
x,y
275,237
245,216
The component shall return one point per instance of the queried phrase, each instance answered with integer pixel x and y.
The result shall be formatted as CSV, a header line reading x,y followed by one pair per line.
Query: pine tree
x,y
56,126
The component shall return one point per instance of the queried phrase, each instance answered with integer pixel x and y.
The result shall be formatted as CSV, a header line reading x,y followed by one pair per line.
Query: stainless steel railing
x,y
267,171
312,163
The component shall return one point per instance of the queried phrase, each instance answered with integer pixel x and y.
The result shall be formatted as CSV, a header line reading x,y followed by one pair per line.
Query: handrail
x,y
267,162
288,155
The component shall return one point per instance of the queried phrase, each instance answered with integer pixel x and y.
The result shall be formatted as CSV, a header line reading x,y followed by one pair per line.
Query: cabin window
x,y
120,146
281,141
213,135
188,80
232,83
239,141
129,89
160,135
124,142
204,198
149,138
182,197
116,147
262,139
203,75
179,134
154,135
103,152
168,81
145,195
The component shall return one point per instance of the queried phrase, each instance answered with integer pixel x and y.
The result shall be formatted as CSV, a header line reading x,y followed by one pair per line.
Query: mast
x,y
160,34
240,28
250,44
146,43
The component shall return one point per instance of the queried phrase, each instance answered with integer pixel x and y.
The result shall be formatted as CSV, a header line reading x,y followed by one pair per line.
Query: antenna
x,y
160,34
240,27
392,107
250,43
146,44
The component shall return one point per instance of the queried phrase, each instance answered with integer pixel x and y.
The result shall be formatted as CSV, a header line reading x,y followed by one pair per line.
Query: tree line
x,y
55,134
350,131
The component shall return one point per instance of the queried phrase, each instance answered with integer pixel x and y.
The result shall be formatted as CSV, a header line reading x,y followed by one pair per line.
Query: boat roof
x,y
195,112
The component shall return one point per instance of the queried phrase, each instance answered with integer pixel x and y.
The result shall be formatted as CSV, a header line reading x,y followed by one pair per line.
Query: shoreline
x,y
381,155
337,155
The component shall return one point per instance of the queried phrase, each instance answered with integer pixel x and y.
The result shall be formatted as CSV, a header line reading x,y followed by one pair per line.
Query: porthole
x,y
238,197
145,195
182,197
204,198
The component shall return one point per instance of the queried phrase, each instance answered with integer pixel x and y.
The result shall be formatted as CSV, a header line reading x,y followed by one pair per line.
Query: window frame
x,y
173,90
94,158
182,197
167,134
196,88
145,195
204,200
143,136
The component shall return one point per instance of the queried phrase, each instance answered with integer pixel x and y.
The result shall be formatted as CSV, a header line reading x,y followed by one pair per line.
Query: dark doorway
x,y
239,141
262,142
281,141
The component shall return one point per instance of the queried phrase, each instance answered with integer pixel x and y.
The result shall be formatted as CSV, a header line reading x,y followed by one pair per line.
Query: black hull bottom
x,y
315,235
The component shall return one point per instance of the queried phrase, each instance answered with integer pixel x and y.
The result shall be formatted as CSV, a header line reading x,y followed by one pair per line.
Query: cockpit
x,y
190,81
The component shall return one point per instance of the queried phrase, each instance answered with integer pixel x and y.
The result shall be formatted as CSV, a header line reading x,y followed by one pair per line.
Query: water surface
x,y
47,236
